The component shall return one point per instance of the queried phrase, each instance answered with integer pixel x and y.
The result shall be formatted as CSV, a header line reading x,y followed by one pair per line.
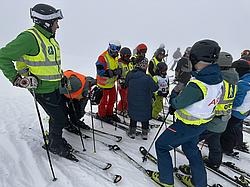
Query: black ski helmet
x,y
45,15
162,68
204,50
125,53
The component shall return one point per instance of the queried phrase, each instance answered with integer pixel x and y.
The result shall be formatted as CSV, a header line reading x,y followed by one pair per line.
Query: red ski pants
x,y
123,103
106,106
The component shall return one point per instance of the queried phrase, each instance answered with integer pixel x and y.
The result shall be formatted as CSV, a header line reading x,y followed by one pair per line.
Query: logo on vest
x,y
214,101
50,50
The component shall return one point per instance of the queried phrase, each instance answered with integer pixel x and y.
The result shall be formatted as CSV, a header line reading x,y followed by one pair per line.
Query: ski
x,y
153,159
102,133
236,169
113,123
233,180
151,125
93,160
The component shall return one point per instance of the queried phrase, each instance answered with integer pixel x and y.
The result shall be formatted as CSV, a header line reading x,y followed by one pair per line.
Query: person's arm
x,y
151,68
190,94
25,43
241,93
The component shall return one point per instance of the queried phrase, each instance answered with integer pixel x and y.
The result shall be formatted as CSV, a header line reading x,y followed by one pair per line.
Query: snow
x,y
83,35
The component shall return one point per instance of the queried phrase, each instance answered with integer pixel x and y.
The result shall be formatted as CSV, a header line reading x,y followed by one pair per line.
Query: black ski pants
x,y
214,146
54,106
233,135
145,124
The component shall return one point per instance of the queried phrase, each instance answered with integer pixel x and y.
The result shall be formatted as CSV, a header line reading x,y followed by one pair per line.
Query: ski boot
x,y
144,134
209,164
243,147
72,129
185,179
131,132
82,125
115,118
104,118
185,169
155,177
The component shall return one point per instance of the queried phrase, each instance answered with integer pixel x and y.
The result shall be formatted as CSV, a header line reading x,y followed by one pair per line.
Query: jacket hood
x,y
210,75
231,76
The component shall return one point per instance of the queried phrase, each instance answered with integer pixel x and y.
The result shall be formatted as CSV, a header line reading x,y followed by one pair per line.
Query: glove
x,y
171,110
109,73
122,83
29,82
165,94
64,81
117,71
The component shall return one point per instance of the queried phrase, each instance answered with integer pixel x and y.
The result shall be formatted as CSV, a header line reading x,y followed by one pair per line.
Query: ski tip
x,y
117,178
149,172
107,166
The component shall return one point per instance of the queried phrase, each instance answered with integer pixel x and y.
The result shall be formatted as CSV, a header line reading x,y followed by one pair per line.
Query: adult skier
x,y
37,56
76,95
176,57
193,108
107,73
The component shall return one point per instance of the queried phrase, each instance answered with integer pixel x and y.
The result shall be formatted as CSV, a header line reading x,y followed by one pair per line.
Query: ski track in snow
x,y
23,163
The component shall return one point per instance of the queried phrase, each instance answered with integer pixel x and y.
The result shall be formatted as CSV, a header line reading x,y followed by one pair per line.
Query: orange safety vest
x,y
112,64
82,78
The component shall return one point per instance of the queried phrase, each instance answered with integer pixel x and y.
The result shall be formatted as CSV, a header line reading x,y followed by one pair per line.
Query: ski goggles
x,y
114,48
57,15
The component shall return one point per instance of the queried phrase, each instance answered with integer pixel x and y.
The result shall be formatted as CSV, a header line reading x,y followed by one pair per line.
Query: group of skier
x,y
210,100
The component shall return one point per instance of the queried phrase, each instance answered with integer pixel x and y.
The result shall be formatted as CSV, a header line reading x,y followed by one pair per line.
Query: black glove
x,y
165,94
117,71
171,110
64,81
109,73
160,93
25,82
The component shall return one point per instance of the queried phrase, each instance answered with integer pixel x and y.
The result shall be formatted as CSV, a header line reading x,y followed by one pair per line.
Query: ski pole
x,y
74,111
116,95
92,120
175,158
144,158
44,138
163,111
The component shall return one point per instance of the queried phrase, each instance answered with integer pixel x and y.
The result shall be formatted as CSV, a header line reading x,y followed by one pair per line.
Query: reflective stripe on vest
x,y
244,108
46,65
112,64
201,111
82,78
225,104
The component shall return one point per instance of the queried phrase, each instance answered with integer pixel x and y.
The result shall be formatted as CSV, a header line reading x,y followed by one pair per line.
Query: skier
x,y
176,57
241,109
125,64
162,80
37,56
193,108
139,53
158,57
222,113
107,73
245,54
140,91
75,93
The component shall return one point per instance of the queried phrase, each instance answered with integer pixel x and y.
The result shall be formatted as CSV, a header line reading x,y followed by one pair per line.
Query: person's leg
x,y
54,106
111,101
157,106
103,103
215,152
145,127
132,128
120,103
173,65
228,137
193,154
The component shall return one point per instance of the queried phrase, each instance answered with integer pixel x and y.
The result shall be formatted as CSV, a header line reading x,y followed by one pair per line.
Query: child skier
x,y
162,80
140,92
